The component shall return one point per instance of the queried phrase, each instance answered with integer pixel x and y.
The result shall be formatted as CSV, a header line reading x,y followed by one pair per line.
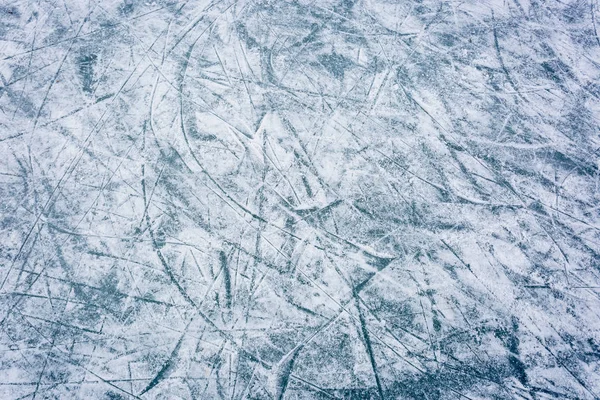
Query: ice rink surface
x,y
300,199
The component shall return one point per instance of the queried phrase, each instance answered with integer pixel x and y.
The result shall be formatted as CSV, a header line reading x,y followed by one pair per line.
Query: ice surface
x,y
300,199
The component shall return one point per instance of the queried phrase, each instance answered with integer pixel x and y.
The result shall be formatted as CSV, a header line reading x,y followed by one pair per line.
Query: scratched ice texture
x,y
300,199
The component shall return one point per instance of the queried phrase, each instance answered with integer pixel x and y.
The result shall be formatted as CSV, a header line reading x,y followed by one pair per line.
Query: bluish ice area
x,y
300,199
